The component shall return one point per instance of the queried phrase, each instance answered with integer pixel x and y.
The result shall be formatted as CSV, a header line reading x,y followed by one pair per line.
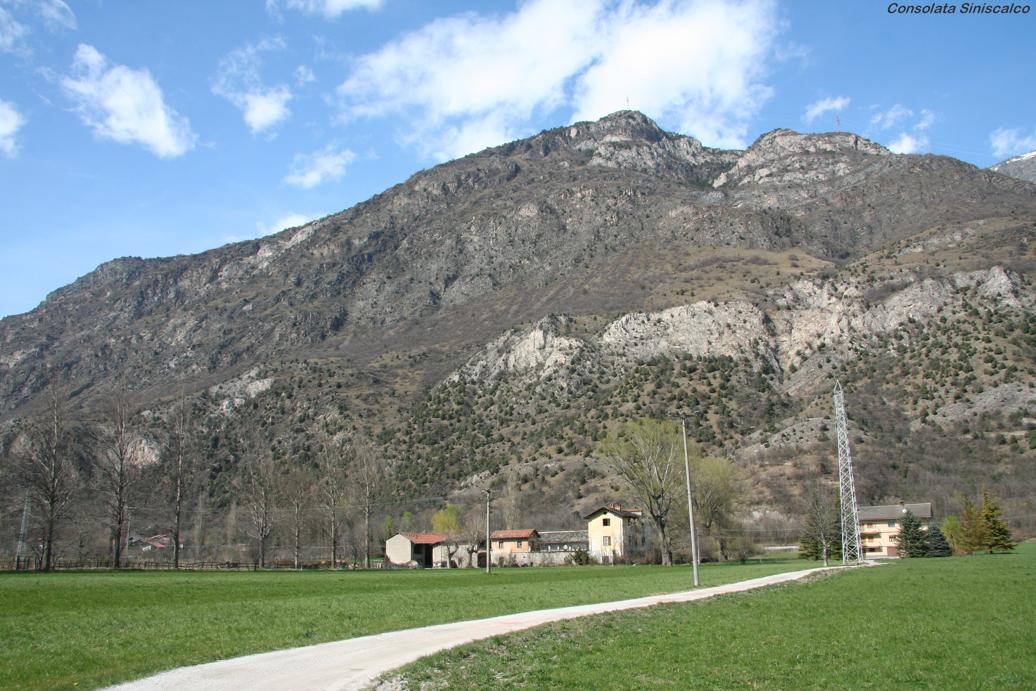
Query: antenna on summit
x,y
838,122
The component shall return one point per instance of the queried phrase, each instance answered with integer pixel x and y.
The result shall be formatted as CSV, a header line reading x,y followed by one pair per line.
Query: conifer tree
x,y
912,538
951,530
997,536
972,529
937,544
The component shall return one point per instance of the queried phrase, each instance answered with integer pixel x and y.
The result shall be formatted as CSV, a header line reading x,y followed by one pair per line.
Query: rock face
x,y
539,353
786,158
732,329
1022,167
782,331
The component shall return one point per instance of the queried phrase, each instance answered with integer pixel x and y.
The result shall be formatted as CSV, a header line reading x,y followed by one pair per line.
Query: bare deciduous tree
x,y
368,476
118,460
51,472
473,532
297,488
331,489
261,502
821,516
182,468
647,454
512,500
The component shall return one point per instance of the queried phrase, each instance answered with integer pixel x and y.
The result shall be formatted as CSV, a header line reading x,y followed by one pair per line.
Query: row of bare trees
x,y
54,449
100,459
348,474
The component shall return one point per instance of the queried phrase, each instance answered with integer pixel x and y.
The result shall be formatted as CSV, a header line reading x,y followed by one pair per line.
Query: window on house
x,y
500,545
606,522
607,541
892,524
519,543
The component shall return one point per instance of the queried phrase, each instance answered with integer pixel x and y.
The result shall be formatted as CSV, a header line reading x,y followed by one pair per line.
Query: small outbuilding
x,y
419,548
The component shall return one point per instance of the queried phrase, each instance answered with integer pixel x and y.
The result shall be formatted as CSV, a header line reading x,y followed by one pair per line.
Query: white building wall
x,y
398,549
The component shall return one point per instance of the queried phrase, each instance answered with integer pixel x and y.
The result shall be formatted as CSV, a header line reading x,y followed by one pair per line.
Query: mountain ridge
x,y
373,320
343,272
1022,167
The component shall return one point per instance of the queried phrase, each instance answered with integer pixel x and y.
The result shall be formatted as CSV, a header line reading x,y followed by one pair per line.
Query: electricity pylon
x,y
851,551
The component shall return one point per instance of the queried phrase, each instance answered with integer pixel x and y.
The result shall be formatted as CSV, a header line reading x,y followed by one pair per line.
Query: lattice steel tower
x,y
846,487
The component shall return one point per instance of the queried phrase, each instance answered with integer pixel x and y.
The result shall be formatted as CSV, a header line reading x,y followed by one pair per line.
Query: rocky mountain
x,y
1022,167
502,310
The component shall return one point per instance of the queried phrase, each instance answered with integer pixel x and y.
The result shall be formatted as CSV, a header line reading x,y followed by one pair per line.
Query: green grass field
x,y
963,622
89,629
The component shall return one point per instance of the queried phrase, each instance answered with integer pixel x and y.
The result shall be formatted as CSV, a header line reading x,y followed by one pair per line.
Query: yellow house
x,y
879,526
612,532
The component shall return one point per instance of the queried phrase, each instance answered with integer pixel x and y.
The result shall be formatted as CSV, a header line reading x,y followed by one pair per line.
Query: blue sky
x,y
146,128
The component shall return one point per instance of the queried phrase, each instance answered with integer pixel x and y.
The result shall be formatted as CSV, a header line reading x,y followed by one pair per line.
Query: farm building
x,y
425,549
614,533
507,542
420,548
879,526
563,541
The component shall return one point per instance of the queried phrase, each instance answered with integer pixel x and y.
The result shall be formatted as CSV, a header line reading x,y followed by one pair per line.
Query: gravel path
x,y
355,662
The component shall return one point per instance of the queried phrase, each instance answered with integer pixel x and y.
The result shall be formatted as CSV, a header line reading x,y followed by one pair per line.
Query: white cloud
x,y
825,105
470,81
237,80
330,9
310,170
304,75
697,64
927,118
887,119
10,122
11,33
291,220
265,108
56,14
907,143
262,228
1011,142
125,105
473,134
912,139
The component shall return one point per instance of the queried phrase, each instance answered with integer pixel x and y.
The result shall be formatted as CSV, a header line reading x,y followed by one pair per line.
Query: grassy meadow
x,y
61,630
961,622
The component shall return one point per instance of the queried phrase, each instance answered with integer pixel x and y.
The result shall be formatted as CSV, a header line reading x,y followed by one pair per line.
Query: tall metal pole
x,y
127,533
489,543
851,550
690,505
